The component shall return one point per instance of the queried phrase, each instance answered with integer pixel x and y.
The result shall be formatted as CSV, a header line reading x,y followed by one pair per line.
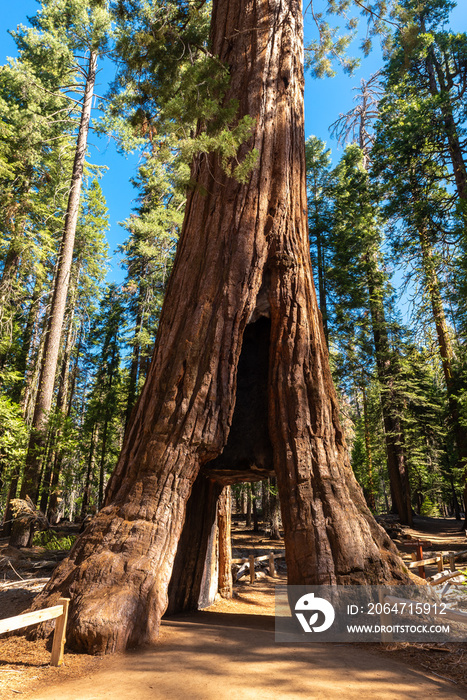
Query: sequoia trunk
x,y
237,239
187,582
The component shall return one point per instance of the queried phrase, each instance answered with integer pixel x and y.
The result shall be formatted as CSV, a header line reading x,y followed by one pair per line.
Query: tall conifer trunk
x,y
57,313
439,85
445,351
359,120
390,403
236,238
62,394
370,493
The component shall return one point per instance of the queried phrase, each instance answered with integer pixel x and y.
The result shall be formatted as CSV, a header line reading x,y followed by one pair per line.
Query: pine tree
x,y
318,180
415,183
148,257
86,27
38,123
105,395
90,256
432,63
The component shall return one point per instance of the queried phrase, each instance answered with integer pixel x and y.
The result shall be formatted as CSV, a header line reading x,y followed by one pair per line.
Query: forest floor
x,y
228,650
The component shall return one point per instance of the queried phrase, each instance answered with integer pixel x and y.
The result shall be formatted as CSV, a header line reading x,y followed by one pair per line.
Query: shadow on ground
x,y
212,656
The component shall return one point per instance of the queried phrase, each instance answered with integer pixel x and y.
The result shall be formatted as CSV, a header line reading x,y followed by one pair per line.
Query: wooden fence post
x,y
440,563
421,569
252,568
452,562
59,639
272,567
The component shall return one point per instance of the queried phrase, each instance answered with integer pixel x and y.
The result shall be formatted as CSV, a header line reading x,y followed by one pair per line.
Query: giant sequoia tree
x,y
242,271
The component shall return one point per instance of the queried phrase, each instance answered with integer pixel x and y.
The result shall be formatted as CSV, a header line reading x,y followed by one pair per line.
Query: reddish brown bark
x,y
190,582
224,523
235,238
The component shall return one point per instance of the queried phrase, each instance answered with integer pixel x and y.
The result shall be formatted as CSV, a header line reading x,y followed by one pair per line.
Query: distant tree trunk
x,y
244,499
29,392
27,338
135,356
455,502
255,508
438,84
237,496
8,279
68,391
439,317
265,500
322,283
8,517
59,297
89,470
275,533
224,520
75,372
249,514
390,404
107,414
370,491
100,494
235,237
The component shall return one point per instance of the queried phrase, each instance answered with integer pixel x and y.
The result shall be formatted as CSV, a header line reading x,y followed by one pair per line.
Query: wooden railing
x,y
264,557
57,612
438,559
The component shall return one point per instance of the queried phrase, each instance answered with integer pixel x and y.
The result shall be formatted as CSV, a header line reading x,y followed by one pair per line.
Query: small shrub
x,y
50,540
429,509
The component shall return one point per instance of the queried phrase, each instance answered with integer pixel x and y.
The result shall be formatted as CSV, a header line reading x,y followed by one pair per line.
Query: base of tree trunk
x,y
186,584
21,534
118,571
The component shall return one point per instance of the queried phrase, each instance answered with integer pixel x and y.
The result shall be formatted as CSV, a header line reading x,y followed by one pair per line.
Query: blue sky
x,y
324,100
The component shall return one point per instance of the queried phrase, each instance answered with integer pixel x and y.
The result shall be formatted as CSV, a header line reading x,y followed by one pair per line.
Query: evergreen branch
x,y
367,9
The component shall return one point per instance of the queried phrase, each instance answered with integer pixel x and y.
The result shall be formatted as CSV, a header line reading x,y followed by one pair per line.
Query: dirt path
x,y
229,652
439,533
219,656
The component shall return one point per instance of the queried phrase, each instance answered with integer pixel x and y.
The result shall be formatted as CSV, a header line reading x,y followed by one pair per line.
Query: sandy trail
x,y
229,652
217,656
